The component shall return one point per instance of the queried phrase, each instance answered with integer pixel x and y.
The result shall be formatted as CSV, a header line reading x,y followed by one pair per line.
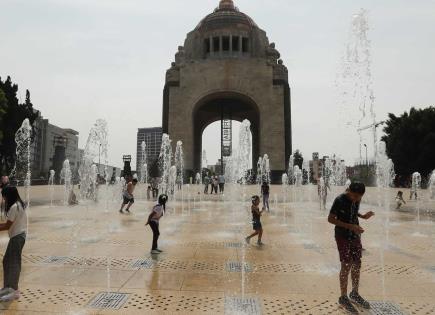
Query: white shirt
x,y
18,216
157,213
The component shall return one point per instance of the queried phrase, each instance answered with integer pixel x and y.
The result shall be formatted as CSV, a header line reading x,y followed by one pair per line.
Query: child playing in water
x,y
399,200
344,215
256,222
16,225
153,221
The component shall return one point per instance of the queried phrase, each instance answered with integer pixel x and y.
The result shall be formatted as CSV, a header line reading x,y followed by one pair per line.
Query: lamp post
x,y
367,163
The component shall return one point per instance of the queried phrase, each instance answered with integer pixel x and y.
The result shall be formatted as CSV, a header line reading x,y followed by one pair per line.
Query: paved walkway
x,y
74,255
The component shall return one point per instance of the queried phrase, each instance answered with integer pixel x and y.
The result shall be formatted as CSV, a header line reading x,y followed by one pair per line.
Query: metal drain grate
x,y
236,266
242,306
385,308
109,300
56,260
233,245
143,263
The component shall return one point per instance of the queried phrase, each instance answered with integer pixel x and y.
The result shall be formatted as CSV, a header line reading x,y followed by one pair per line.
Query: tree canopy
x,y
410,141
12,114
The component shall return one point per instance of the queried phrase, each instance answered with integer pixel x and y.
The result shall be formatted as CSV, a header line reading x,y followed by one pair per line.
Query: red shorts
x,y
349,250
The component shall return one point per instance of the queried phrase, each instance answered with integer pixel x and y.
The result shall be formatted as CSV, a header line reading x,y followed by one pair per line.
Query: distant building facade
x,y
51,146
153,141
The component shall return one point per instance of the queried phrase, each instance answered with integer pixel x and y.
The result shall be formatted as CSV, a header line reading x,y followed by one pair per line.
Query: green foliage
x,y
3,107
410,140
11,121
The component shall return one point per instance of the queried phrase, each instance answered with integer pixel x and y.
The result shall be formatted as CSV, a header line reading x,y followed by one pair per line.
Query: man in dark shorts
x,y
344,215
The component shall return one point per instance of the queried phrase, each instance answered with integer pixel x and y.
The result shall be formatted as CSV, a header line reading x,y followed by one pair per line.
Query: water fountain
x,y
431,186
22,169
51,184
179,164
355,82
144,164
165,162
65,176
96,147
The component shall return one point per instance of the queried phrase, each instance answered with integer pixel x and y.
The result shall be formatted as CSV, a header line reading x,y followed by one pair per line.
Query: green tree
x,y
410,141
3,107
11,121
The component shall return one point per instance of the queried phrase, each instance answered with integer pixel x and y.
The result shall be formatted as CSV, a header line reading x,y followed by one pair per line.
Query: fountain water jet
x,y
22,169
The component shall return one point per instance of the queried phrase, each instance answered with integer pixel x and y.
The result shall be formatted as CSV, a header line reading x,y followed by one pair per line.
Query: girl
x,y
16,225
153,221
256,222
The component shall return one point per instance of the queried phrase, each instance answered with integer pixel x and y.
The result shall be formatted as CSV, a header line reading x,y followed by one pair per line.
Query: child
x,y
344,215
16,225
149,190
256,222
399,200
265,191
128,196
153,221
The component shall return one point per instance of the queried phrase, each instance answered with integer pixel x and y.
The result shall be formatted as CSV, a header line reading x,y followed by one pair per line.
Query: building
x,y
228,70
153,141
51,146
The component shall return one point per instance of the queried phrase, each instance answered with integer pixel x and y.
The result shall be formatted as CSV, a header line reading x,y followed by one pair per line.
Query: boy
x,y
256,221
344,215
128,196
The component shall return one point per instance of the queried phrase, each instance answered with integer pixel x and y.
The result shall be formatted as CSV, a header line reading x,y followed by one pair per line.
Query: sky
x,y
89,59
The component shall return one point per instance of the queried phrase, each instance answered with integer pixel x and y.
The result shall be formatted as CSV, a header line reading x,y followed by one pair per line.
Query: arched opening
x,y
211,144
224,105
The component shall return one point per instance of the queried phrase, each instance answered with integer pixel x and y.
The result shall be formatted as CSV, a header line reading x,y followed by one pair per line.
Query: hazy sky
x,y
89,59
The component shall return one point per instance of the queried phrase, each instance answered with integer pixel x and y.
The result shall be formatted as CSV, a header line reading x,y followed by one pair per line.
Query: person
x,y
72,198
265,191
206,182
256,221
215,184
399,200
16,225
128,198
149,190
153,221
221,183
4,182
344,215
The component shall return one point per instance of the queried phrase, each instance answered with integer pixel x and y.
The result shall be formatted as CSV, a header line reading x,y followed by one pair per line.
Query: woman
x,y
153,221
16,225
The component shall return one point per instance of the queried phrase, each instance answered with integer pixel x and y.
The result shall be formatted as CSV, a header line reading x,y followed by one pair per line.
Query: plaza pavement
x,y
73,254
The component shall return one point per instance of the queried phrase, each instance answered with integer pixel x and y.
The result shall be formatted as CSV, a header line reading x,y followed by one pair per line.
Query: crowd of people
x,y
214,182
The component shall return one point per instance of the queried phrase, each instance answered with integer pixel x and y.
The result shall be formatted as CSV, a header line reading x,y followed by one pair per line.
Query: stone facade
x,y
227,64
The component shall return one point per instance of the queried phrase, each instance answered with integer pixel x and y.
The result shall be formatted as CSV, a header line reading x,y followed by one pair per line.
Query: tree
x,y
11,121
410,141
3,107
298,159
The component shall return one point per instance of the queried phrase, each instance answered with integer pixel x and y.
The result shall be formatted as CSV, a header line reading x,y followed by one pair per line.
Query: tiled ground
x,y
75,253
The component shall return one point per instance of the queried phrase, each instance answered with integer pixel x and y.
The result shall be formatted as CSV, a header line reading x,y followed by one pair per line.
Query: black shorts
x,y
256,225
349,250
128,200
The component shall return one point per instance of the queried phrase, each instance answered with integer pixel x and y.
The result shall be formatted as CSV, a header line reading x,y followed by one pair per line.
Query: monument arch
x,y
227,68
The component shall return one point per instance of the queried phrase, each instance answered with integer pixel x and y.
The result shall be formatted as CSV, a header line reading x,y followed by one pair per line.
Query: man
x,y
221,183
344,215
206,182
128,196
